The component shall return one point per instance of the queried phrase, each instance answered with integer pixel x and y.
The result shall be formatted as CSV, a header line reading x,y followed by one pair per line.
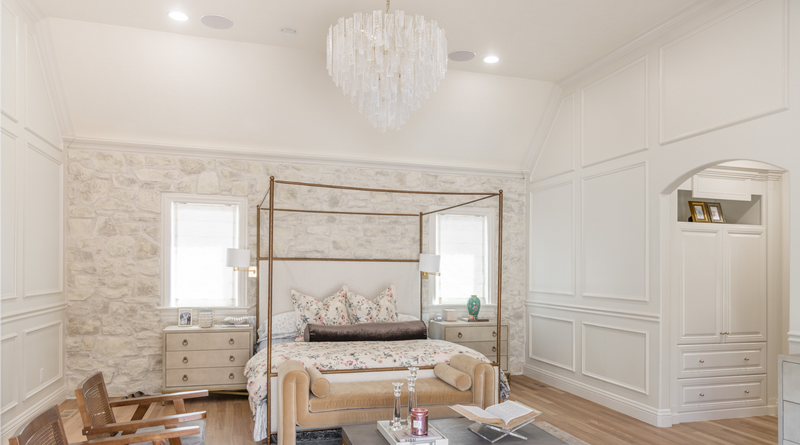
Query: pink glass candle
x,y
419,422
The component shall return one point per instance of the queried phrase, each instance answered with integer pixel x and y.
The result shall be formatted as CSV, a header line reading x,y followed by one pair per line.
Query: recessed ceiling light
x,y
289,31
179,16
461,55
216,21
491,59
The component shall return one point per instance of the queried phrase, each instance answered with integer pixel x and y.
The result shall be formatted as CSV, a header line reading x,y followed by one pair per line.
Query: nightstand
x,y
479,335
206,358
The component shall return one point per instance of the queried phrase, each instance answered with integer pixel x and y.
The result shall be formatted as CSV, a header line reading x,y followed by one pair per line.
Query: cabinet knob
x,y
233,359
747,359
230,342
494,333
185,342
230,376
702,395
186,360
494,348
747,391
185,377
702,361
460,335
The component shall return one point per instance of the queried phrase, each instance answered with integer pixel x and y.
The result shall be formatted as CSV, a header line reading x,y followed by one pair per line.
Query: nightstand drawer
x,y
210,340
486,347
206,376
207,359
460,334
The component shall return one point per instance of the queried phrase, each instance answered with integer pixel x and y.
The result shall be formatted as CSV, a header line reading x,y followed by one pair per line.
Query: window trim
x,y
167,202
491,217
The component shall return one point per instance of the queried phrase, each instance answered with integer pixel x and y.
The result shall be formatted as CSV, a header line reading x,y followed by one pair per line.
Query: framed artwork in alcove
x,y
715,212
699,211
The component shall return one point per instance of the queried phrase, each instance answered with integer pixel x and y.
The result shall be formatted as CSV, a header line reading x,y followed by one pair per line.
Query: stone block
x,y
119,246
112,346
147,286
146,248
111,162
208,183
149,200
158,161
105,227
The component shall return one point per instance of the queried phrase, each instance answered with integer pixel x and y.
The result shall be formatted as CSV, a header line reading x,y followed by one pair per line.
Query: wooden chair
x,y
48,429
99,421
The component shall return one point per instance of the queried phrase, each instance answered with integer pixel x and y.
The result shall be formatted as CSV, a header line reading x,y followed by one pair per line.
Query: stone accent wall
x,y
114,242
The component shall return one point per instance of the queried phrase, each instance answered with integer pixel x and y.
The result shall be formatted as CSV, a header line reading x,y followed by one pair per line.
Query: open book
x,y
506,415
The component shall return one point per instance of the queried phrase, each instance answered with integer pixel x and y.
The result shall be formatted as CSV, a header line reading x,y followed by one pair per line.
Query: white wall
x,y
130,84
33,301
712,88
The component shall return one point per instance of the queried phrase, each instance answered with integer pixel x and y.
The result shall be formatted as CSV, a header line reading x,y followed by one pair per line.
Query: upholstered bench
x,y
362,402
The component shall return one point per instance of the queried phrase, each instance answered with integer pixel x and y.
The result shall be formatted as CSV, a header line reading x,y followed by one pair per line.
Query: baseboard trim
x,y
639,411
731,413
12,426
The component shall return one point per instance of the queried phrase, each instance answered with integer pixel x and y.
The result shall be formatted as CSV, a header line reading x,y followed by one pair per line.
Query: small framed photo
x,y
184,317
715,212
699,211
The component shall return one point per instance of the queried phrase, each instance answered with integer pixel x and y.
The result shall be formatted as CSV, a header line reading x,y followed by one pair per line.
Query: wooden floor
x,y
230,421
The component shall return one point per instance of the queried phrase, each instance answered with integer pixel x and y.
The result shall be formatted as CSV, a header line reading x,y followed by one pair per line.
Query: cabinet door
x,y
700,284
745,285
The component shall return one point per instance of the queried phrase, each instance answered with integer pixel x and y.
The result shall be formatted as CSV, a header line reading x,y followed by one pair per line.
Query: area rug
x,y
334,437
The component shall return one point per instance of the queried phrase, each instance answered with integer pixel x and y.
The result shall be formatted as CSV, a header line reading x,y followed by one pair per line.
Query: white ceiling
x,y
535,39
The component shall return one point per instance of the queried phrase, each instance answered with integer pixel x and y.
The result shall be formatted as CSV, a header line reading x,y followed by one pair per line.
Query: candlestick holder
x,y
412,396
397,420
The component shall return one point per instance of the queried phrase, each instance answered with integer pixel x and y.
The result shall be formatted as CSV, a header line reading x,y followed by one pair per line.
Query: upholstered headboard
x,y
321,279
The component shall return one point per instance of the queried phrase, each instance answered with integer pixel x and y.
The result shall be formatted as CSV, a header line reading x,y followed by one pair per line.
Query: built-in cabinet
x,y
721,344
789,400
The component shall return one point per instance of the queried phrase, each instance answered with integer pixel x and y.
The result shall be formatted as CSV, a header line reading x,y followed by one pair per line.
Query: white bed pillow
x,y
381,310
332,311
403,317
283,326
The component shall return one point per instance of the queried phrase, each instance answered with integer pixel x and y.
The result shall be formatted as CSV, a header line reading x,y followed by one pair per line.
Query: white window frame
x,y
167,202
491,217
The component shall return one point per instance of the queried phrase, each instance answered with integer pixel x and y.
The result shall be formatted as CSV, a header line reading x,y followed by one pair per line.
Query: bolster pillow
x,y
406,330
452,376
320,386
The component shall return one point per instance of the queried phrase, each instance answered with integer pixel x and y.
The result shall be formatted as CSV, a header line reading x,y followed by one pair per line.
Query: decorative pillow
x,y
403,317
408,330
282,326
382,310
332,311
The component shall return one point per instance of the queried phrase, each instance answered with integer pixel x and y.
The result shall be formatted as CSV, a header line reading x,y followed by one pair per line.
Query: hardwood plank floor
x,y
230,421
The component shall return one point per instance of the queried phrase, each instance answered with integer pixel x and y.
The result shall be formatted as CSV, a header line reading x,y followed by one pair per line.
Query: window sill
x,y
457,306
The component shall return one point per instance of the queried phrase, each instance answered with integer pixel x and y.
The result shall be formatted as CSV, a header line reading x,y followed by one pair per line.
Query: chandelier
x,y
389,63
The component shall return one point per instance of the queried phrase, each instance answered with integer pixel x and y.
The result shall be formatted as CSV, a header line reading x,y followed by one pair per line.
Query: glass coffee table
x,y
455,430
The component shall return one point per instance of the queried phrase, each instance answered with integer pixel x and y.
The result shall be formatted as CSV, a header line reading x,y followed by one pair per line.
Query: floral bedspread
x,y
354,355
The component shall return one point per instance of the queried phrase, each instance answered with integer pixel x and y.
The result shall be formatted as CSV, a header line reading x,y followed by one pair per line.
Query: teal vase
x,y
474,306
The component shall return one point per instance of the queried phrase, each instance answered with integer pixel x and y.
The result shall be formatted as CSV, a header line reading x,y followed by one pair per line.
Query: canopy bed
x,y
279,278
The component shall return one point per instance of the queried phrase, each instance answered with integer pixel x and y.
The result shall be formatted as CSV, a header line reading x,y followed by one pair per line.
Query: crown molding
x,y
646,37
542,129
265,156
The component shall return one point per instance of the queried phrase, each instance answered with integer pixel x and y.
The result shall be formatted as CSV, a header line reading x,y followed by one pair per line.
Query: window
x,y
197,232
464,238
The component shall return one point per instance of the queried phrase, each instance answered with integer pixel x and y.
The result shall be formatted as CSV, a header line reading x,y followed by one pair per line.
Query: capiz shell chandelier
x,y
389,63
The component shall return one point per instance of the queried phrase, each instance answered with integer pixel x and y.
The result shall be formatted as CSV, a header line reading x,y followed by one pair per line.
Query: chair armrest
x,y
160,398
136,424
482,374
145,437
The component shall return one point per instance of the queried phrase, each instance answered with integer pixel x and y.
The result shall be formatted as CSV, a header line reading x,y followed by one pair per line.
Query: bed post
x,y
499,289
420,272
269,305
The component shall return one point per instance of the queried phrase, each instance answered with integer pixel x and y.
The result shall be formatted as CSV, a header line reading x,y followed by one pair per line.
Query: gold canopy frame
x,y
270,258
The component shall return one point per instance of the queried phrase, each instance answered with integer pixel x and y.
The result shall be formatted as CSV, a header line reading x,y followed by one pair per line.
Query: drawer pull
x,y
185,377
460,335
186,360
185,342
230,342
747,359
494,348
231,376
702,361
494,333
233,359
747,391
702,395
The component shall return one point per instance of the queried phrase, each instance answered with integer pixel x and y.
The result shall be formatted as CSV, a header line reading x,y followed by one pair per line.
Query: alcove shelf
x,y
734,212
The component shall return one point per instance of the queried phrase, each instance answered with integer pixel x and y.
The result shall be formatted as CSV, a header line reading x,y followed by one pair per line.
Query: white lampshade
x,y
429,263
238,258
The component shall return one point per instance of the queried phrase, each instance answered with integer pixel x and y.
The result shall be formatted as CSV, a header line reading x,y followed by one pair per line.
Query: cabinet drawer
x,y
486,347
720,360
206,377
722,392
791,382
477,333
211,340
207,359
791,421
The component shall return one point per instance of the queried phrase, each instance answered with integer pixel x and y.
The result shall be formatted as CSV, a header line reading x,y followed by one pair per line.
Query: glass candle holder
x,y
412,396
397,420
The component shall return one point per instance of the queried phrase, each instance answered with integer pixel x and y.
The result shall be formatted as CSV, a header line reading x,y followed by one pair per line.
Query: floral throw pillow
x,y
332,311
382,310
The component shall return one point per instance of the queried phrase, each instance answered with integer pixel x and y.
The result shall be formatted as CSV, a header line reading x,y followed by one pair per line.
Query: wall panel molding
x,y
14,374
645,389
13,206
569,367
772,109
632,315
532,284
26,349
9,317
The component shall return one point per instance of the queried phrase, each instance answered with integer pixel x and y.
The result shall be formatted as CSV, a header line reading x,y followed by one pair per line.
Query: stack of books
x,y
434,437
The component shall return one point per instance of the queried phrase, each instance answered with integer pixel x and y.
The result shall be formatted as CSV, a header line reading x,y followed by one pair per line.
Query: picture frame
x,y
205,317
185,317
699,211
715,212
